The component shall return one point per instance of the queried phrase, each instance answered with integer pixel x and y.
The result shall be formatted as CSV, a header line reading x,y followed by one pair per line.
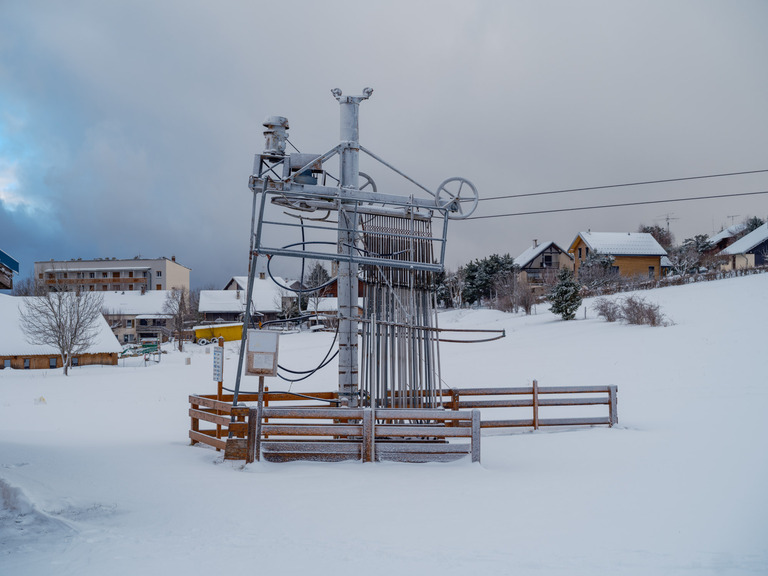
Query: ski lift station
x,y
391,403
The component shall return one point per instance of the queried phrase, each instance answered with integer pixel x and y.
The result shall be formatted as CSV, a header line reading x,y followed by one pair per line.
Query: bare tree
x,y
28,286
176,305
66,321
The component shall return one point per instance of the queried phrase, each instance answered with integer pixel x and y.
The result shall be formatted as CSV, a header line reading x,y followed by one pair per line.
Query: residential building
x,y
635,254
8,266
228,305
109,275
134,316
539,259
17,353
749,251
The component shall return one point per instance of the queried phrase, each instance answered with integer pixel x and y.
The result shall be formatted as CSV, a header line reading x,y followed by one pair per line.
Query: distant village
x,y
150,300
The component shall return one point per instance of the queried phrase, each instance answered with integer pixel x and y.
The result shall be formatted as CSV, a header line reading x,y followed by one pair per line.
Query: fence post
x,y
195,424
613,406
535,393
475,435
250,452
368,435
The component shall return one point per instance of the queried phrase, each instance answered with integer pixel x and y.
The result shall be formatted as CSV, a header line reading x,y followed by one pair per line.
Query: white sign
x,y
218,364
262,352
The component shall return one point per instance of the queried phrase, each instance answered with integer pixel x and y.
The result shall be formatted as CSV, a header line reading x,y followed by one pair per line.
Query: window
x,y
26,363
51,363
91,274
40,276
7,363
159,287
104,287
104,275
75,361
547,260
129,323
159,274
614,269
651,271
130,274
579,253
115,274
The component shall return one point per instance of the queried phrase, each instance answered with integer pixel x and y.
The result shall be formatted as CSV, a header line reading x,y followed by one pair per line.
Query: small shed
x,y
17,353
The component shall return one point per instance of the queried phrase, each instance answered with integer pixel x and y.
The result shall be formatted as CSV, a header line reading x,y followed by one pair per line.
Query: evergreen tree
x,y
565,297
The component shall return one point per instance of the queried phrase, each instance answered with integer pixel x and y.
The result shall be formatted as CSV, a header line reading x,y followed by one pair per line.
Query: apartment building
x,y
105,274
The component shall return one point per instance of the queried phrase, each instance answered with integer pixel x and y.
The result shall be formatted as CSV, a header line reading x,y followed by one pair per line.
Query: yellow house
x,y
635,254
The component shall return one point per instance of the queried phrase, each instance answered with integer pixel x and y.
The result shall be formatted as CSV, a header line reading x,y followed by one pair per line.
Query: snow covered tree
x,y
597,270
66,321
662,235
480,275
565,297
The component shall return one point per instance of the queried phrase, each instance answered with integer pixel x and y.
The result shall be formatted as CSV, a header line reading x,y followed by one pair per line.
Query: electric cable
x,y
578,208
643,183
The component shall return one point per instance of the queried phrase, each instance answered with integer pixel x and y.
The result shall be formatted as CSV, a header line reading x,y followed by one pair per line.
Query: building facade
x,y
106,274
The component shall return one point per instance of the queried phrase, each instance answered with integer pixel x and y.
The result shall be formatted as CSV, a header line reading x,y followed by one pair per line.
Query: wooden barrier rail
x,y
465,398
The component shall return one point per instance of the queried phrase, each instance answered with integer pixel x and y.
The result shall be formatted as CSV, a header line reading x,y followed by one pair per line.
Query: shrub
x,y
636,310
608,309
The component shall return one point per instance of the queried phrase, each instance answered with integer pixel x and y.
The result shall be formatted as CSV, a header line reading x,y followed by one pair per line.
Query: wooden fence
x,y
333,434
310,430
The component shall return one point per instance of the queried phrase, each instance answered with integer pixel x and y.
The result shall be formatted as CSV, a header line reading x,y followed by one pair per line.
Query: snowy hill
x,y
96,475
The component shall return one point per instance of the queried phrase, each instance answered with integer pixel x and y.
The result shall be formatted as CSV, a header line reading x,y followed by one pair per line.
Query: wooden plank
x,y
316,413
535,395
368,436
421,414
417,457
208,440
312,429
214,404
253,451
508,403
524,423
573,389
476,436
425,447
492,391
574,421
236,449
573,401
613,412
395,430
209,417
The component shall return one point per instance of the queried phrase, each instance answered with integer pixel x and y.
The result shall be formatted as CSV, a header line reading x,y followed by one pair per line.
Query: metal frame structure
x,y
390,236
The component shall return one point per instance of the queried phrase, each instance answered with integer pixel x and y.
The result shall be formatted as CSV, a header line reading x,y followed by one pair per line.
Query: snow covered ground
x,y
97,477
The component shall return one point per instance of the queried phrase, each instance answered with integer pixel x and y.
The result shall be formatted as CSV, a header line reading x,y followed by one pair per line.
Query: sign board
x,y
218,364
262,353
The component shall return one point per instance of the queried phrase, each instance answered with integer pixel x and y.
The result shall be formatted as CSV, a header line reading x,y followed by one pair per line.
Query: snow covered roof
x,y
133,302
727,233
9,262
14,343
529,255
748,242
327,304
621,243
266,298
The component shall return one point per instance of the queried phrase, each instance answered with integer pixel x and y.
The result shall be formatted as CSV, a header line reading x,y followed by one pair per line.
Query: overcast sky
x,y
129,128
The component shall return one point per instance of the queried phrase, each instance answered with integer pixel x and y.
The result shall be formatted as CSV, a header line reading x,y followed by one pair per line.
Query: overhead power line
x,y
577,208
626,184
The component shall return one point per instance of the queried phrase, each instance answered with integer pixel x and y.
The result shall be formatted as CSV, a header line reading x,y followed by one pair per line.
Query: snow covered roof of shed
x,y
14,343
727,232
620,243
265,299
748,242
133,302
529,255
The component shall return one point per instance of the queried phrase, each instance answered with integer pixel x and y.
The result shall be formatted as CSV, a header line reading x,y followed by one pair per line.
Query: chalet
x,y
749,251
17,353
540,259
726,237
135,316
634,253
8,266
